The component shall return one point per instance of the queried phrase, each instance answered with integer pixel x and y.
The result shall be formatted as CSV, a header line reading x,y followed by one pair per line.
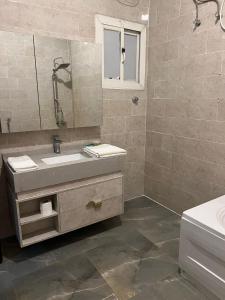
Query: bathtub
x,y
202,245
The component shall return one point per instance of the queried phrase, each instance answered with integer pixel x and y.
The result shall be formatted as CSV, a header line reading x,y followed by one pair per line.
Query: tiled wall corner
x,y
124,126
185,137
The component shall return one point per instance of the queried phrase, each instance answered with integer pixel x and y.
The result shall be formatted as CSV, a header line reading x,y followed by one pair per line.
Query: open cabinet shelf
x,y
37,217
39,236
33,226
39,230
30,211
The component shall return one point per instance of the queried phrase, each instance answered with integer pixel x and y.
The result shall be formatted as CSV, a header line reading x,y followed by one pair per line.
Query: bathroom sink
x,y
56,169
63,158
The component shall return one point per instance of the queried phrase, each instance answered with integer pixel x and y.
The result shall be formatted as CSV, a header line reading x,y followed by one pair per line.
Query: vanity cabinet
x,y
75,204
90,203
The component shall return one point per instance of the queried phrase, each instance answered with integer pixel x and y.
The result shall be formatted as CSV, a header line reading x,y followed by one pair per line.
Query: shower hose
x,y
221,15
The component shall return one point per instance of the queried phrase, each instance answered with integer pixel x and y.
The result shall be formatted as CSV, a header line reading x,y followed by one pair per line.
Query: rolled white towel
x,y
104,150
22,163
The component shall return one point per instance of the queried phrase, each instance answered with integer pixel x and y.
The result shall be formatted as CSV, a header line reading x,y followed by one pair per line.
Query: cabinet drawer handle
x,y
94,204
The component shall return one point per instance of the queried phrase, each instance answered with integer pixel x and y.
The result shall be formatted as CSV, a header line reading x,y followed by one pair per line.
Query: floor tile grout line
x,y
161,205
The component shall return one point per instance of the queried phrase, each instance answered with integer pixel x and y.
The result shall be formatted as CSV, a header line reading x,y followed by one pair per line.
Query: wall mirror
x,y
87,83
19,108
48,83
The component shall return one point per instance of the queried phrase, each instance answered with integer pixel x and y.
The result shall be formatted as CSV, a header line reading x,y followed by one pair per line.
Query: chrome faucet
x,y
56,144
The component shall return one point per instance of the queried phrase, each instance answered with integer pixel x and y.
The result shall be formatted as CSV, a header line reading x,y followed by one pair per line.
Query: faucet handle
x,y
56,138
56,144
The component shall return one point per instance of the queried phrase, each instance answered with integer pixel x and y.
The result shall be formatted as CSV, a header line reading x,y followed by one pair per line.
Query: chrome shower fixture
x,y
59,116
197,21
59,66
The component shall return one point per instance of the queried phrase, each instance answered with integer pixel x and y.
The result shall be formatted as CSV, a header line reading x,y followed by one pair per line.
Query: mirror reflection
x,y
54,82
49,83
59,115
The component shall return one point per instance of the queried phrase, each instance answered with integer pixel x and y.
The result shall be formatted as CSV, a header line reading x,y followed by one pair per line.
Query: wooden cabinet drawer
x,y
92,202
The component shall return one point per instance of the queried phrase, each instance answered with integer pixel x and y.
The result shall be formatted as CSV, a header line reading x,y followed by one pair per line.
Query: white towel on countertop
x,y
22,163
104,150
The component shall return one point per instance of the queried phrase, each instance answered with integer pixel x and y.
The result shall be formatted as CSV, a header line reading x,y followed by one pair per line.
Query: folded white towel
x,y
104,150
22,163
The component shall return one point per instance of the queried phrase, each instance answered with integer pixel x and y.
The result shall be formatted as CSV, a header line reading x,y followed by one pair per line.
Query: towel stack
x,y
104,150
22,163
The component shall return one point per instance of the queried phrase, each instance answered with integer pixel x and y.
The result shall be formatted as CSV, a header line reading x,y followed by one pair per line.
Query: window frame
x,y
104,22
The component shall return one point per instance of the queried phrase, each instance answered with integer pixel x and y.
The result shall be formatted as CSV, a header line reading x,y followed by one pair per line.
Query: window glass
x,y
123,52
112,54
131,65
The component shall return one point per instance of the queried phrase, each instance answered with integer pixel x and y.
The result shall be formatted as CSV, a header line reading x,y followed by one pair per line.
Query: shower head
x,y
61,66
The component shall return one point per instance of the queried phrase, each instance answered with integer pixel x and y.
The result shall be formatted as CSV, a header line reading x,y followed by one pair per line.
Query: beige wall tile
x,y
162,141
192,44
165,51
203,65
157,34
212,131
186,7
139,109
153,13
221,109
119,140
157,107
159,124
215,40
192,88
214,87
168,10
159,157
116,108
165,89
136,138
180,26
113,125
135,123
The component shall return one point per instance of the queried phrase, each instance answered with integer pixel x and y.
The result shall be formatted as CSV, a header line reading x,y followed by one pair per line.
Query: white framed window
x,y
123,52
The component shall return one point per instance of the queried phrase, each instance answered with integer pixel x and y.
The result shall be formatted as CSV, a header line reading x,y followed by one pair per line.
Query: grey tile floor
x,y
131,257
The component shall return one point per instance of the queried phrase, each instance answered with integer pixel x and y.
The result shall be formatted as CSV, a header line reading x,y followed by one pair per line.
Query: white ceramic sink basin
x,y
63,158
